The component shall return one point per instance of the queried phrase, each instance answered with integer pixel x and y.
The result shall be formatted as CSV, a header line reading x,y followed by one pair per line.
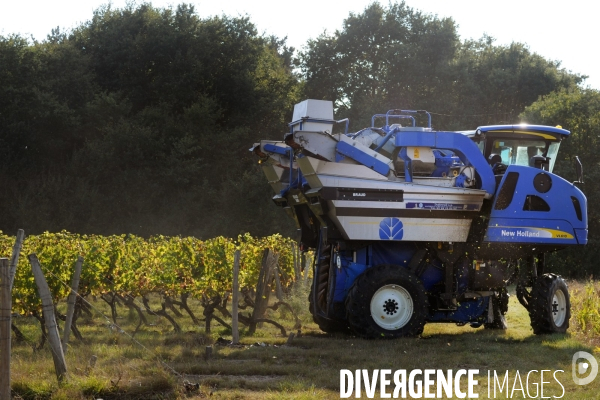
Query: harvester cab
x,y
411,225
530,201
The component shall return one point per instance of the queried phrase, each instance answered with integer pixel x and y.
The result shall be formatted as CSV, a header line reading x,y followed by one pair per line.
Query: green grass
x,y
585,307
308,368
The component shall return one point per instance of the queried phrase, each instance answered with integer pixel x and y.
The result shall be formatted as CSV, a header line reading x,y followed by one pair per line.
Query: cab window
x,y
517,151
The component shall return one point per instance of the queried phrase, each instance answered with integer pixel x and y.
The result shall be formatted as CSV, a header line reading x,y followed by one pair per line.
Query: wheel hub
x,y
391,307
559,307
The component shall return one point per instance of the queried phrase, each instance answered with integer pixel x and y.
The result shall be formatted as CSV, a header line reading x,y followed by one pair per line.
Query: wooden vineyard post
x,y
263,290
71,302
278,288
235,299
7,278
14,259
5,321
296,267
60,364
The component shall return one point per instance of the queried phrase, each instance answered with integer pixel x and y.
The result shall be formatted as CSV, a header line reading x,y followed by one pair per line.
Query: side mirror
x,y
578,170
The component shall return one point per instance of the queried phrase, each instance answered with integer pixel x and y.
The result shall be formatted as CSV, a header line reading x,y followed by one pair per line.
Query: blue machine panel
x,y
463,147
284,151
537,210
418,139
582,235
396,253
363,158
344,279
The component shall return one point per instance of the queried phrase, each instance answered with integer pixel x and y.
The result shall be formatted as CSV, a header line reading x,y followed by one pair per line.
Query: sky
x,y
557,30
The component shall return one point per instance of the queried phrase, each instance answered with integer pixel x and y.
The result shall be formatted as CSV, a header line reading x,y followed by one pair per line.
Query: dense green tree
x,y
396,57
577,110
493,84
40,87
140,121
382,58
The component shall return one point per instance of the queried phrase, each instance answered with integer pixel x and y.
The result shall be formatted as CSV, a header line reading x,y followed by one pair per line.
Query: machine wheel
x,y
322,283
500,307
325,324
387,301
550,306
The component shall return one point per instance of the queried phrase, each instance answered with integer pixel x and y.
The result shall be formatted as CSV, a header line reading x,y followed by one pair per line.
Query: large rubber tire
x,y
387,301
325,324
500,308
321,282
550,306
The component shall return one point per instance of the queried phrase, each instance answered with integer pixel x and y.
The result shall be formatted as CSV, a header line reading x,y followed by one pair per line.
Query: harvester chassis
x,y
411,225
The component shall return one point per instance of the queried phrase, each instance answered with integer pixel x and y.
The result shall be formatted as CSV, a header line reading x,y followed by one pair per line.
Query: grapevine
x,y
126,267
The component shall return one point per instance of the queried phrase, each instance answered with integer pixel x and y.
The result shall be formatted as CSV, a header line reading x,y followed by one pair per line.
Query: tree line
x,y
139,120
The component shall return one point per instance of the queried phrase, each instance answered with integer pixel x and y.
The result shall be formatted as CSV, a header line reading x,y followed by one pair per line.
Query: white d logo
x,y
580,368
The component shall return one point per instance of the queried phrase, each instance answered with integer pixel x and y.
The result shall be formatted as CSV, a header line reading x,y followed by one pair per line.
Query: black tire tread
x,y
321,282
323,275
540,312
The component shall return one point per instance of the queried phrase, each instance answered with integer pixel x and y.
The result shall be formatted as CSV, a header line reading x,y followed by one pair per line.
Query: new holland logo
x,y
391,229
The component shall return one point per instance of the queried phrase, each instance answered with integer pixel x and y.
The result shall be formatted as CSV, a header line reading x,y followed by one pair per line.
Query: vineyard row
x,y
133,267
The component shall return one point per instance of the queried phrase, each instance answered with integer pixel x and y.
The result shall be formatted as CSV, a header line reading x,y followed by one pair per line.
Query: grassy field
x,y
264,367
